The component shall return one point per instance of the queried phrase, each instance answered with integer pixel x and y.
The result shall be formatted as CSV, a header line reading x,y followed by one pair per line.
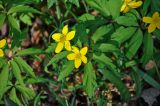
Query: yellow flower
x,y
63,39
154,22
128,4
78,56
2,44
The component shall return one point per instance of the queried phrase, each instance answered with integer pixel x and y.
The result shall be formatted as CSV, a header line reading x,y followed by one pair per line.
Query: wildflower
x,y
78,56
63,39
2,44
128,4
154,22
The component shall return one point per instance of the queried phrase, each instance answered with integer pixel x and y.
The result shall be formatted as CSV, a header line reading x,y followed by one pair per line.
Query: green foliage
x,y
118,43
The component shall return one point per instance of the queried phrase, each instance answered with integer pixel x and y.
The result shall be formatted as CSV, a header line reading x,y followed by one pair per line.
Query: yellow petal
x,y
2,43
84,59
70,35
75,49
57,36
127,1
123,7
59,47
155,15
1,53
126,9
77,63
65,30
84,50
151,28
68,45
147,19
135,4
71,56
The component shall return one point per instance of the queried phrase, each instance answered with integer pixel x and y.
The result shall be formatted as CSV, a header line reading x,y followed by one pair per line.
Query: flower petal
x,y
155,15
65,30
68,45
1,53
123,7
126,9
57,36
71,56
147,19
59,47
135,4
2,43
84,59
70,35
75,49
151,28
84,50
77,63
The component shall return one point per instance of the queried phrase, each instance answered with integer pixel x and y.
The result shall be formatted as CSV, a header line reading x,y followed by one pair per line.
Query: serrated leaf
x,y
148,78
2,19
4,80
126,21
27,93
105,60
101,31
148,48
14,98
23,9
17,72
57,57
50,3
134,44
25,66
26,19
30,51
14,24
66,70
89,79
86,17
108,48
122,34
124,92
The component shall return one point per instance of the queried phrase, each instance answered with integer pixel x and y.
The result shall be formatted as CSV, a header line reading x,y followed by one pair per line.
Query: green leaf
x,y
122,34
50,3
125,95
14,98
126,21
51,48
105,60
66,70
2,19
17,72
86,17
106,7
148,78
26,92
107,48
13,23
89,79
25,66
30,51
23,9
101,31
26,19
58,57
148,48
4,80
138,82
134,44
76,2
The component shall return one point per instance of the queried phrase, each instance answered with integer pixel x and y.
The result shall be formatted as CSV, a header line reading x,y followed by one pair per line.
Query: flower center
x,y
156,20
63,38
78,55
